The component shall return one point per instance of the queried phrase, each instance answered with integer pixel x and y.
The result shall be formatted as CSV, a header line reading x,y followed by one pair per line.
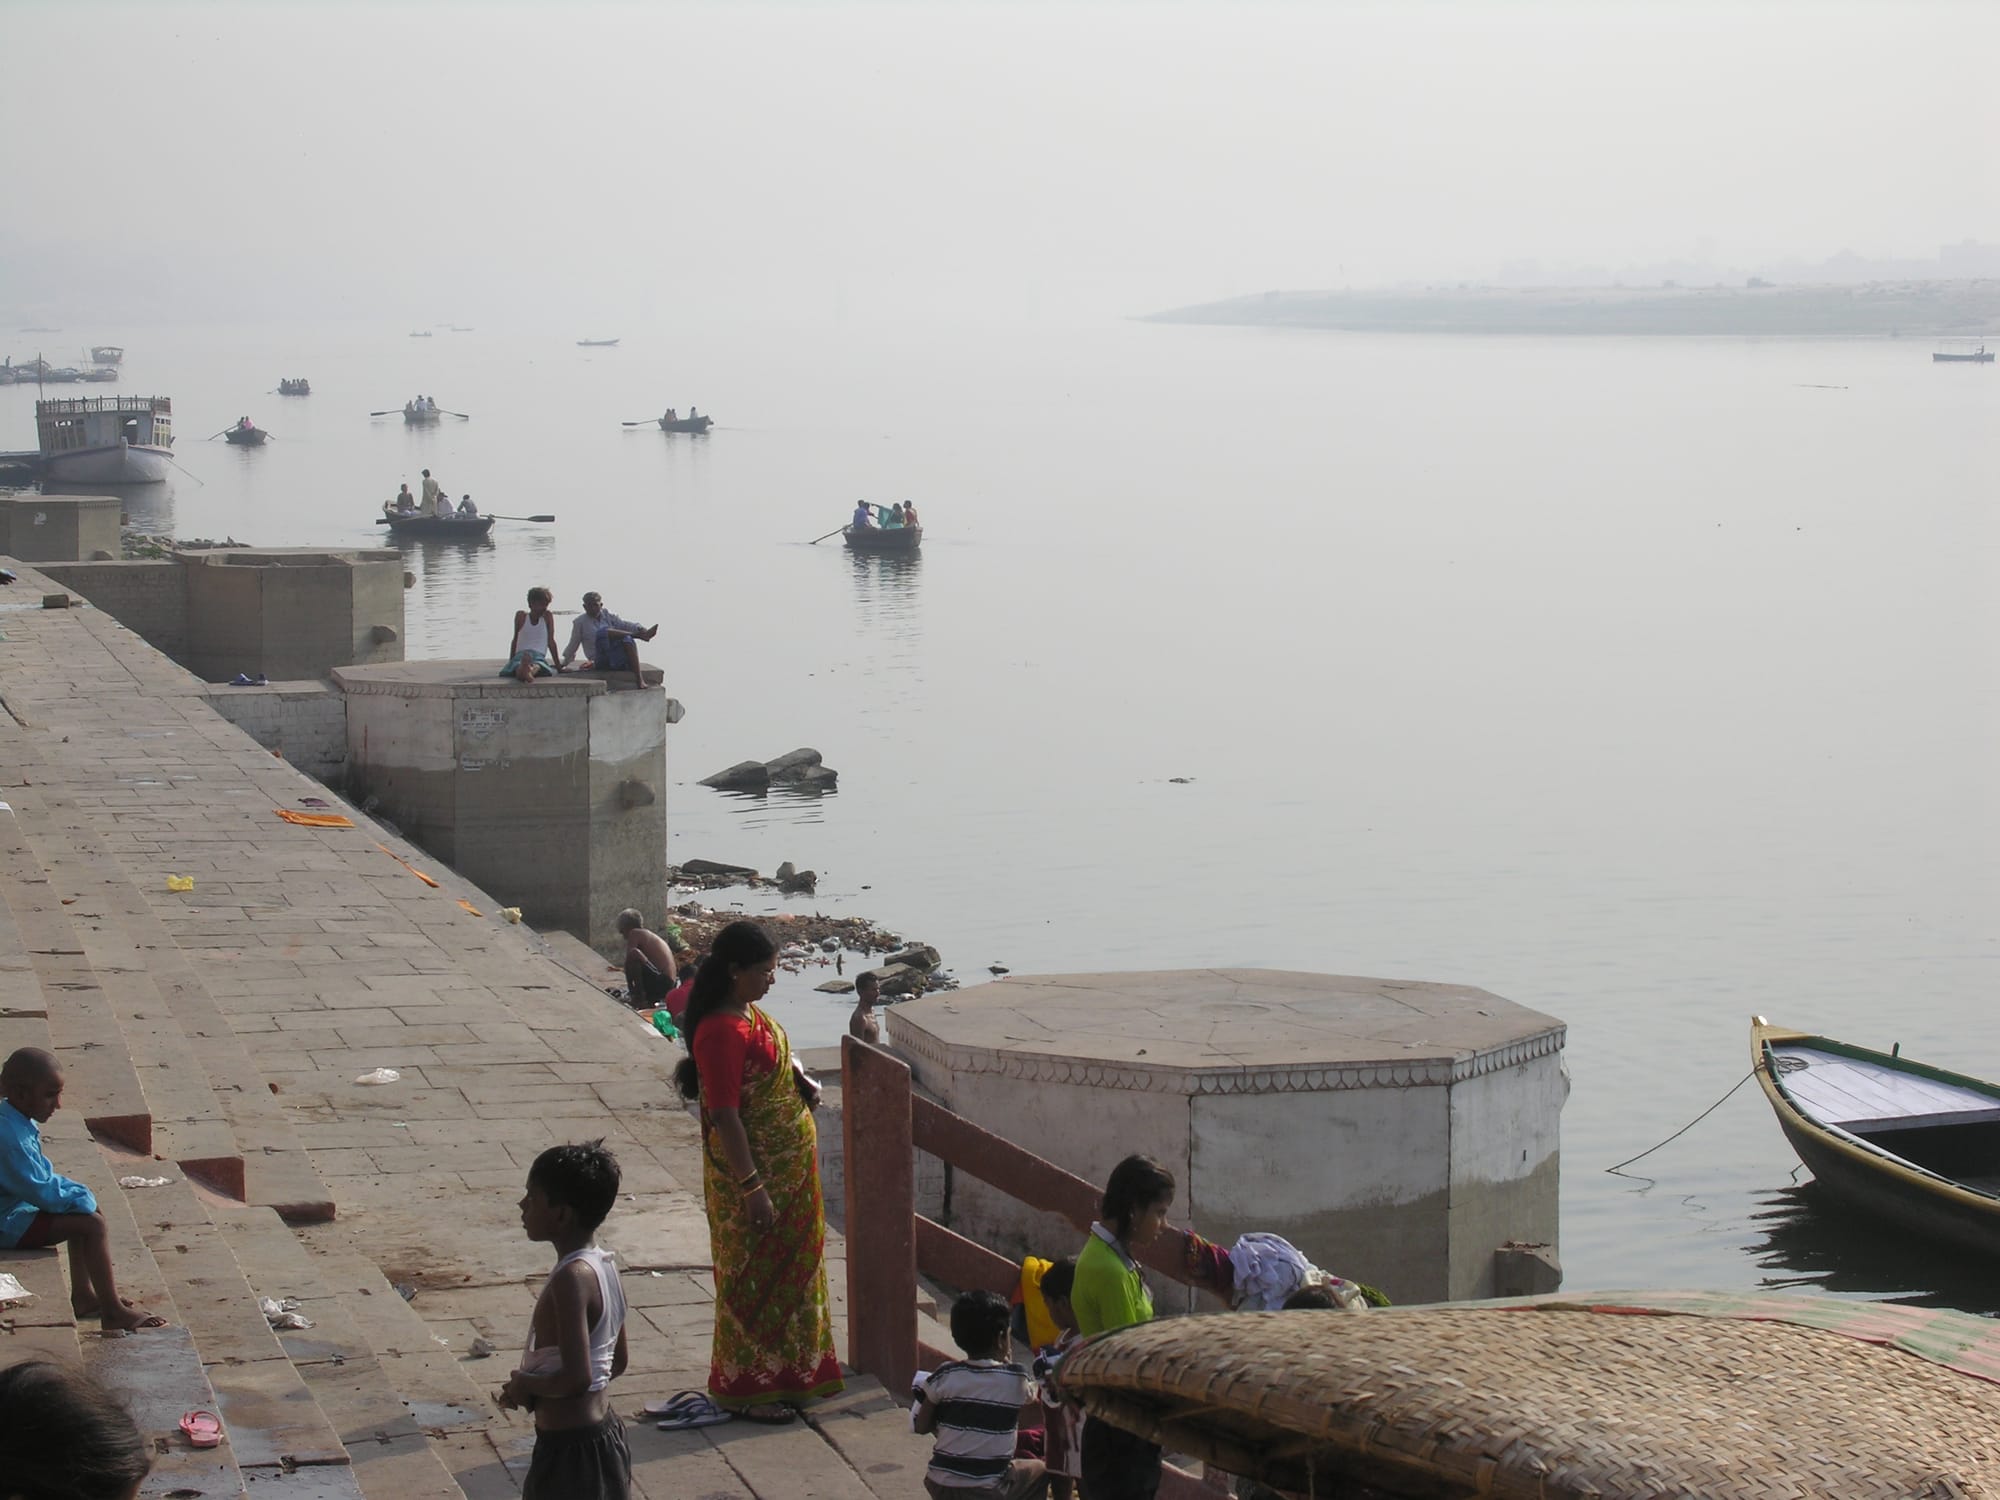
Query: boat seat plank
x,y
1855,1094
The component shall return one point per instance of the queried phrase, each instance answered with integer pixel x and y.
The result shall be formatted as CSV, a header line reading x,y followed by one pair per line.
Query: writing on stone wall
x,y
481,722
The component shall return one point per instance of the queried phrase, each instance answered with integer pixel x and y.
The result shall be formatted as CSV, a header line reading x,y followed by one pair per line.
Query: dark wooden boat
x,y
246,437
686,424
1897,1139
295,388
597,343
469,529
413,417
898,541
1979,356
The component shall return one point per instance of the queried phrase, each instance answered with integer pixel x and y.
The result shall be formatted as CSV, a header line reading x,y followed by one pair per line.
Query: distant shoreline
x,y
1884,309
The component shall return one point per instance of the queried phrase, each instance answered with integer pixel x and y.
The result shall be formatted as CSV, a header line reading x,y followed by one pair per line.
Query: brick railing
x,y
883,1125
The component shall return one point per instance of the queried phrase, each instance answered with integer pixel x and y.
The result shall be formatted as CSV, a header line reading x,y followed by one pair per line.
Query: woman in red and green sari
x,y
760,1177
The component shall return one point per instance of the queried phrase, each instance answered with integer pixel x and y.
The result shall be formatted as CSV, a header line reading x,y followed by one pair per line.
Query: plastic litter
x,y
283,1314
180,882
483,1348
407,1290
663,1022
511,913
379,1075
11,1290
143,1182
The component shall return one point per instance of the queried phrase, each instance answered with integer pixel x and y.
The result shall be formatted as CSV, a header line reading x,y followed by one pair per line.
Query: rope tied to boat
x,y
1691,1123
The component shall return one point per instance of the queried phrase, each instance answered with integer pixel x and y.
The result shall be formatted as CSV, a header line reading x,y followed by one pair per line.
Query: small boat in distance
x,y
105,439
597,343
423,335
1980,356
692,422
420,413
896,541
107,354
295,387
99,375
1897,1139
246,437
462,528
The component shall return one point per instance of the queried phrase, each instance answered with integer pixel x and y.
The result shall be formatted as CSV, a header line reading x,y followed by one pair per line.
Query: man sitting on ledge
x,y
606,641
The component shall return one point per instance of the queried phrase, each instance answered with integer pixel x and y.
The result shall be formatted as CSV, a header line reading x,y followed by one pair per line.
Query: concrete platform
x,y
324,957
481,678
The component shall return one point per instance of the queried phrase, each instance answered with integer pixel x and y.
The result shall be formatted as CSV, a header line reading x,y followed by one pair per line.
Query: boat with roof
x,y
105,439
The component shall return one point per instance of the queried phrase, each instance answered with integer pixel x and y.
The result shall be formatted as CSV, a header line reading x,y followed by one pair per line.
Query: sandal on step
x,y
203,1429
689,1410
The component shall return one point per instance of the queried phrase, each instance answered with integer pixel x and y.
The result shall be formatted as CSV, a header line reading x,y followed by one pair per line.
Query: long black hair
x,y
1136,1184
740,945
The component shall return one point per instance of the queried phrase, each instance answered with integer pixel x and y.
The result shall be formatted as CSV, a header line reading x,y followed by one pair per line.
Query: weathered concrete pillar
x,y
550,794
59,528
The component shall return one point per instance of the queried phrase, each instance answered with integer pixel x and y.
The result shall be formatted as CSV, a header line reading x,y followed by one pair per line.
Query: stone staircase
x,y
174,1069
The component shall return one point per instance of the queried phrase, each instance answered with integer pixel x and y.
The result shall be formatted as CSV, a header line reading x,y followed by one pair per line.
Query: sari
x,y
773,1323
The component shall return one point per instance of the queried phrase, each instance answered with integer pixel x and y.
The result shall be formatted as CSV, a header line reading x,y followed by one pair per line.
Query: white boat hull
x,y
124,463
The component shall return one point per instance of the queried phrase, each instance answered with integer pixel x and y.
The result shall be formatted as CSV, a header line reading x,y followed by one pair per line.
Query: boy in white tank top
x,y
576,1339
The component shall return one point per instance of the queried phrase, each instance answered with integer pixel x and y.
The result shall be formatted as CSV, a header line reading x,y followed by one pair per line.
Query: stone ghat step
x,y
101,1084
208,1066
370,1361
158,1373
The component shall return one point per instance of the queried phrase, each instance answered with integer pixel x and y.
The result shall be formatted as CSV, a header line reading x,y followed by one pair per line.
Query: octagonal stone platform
x,y
1398,1132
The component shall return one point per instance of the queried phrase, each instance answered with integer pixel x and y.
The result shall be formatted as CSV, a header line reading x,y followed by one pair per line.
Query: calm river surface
x,y
1649,683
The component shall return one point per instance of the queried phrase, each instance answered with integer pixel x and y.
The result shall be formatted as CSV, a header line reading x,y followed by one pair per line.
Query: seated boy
x,y
576,1339
38,1208
973,1405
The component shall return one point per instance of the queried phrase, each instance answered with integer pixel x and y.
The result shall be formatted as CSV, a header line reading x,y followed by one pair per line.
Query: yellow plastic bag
x,y
180,882
511,913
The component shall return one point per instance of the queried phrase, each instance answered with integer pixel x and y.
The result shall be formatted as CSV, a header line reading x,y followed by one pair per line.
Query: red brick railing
x,y
888,1242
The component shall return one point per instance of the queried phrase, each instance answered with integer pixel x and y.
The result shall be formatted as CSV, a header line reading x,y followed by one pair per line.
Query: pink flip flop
x,y
203,1429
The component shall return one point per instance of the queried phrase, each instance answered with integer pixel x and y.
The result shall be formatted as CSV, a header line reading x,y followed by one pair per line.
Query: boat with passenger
x,y
105,439
694,421
1889,1136
896,541
415,523
295,387
1980,356
246,434
421,412
107,354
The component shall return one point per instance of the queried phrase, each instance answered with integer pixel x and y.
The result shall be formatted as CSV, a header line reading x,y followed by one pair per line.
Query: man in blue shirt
x,y
39,1208
864,516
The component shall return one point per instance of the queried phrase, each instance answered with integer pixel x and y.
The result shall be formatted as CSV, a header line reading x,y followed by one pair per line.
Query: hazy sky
x,y
567,164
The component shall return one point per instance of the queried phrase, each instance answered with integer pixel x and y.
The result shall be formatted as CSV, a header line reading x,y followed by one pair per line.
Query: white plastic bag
x,y
379,1075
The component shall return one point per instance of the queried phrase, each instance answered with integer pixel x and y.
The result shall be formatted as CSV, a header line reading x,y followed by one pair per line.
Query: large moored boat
x,y
105,439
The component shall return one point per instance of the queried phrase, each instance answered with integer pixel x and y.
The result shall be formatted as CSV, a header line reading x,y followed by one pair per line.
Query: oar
x,y
394,411
520,518
818,539
224,433
649,422
455,414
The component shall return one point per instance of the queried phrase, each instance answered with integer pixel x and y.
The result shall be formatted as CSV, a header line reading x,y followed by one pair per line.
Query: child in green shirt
x,y
1109,1293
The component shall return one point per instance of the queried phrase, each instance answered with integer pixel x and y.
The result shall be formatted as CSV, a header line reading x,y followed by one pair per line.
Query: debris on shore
x,y
146,545
712,875
816,941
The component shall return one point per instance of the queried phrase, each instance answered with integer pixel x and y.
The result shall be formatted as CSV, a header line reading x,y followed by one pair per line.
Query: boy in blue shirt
x,y
39,1208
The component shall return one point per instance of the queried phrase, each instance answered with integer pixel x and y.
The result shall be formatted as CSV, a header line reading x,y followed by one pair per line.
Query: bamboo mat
x,y
1561,1398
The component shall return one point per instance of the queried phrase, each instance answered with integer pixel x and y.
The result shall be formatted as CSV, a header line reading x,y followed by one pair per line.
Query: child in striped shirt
x,y
973,1406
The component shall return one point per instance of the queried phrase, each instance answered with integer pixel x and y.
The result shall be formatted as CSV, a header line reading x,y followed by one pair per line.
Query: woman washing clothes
x,y
1109,1293
773,1341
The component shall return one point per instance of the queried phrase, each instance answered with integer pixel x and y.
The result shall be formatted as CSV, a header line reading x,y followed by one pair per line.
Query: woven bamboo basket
x,y
1553,1402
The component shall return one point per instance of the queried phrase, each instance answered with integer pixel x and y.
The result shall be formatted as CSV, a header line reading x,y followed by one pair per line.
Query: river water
x,y
1649,683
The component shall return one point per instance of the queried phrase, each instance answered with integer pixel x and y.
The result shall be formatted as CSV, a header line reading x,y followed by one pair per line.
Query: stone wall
x,y
147,598
305,722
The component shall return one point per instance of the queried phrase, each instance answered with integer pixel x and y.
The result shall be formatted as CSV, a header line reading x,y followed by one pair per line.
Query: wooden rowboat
x,y
686,424
1894,1138
898,541
471,528
246,437
1977,357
